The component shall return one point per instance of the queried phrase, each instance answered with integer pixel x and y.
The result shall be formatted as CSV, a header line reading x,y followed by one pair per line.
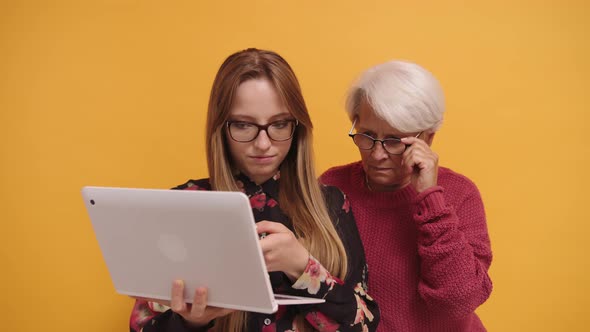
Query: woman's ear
x,y
428,138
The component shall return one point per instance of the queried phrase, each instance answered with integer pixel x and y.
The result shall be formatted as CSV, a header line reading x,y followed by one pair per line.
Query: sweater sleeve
x,y
348,306
455,252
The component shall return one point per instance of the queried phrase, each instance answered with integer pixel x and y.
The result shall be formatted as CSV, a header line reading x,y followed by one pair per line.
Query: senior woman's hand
x,y
421,163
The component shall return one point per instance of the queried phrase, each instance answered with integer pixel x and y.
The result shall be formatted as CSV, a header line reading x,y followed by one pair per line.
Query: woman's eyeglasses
x,y
242,131
390,145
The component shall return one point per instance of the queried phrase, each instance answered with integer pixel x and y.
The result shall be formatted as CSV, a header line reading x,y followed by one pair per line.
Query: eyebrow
x,y
243,117
363,130
367,131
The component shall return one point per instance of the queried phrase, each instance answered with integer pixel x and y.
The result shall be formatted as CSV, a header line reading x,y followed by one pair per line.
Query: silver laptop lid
x,y
150,237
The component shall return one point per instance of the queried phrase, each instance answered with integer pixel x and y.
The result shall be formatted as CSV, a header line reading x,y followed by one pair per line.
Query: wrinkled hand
x,y
198,313
421,163
282,250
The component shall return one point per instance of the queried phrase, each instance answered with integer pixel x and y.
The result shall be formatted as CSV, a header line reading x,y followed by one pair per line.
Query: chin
x,y
382,179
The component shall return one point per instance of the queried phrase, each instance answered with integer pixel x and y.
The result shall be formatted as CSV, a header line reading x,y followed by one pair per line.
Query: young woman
x,y
259,141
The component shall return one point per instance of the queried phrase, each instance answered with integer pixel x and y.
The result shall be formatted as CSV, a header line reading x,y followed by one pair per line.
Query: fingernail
x,y
200,290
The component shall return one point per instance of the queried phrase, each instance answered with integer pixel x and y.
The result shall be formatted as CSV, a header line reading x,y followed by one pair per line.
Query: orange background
x,y
114,92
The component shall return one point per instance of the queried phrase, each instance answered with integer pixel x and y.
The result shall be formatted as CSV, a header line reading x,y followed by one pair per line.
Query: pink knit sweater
x,y
428,254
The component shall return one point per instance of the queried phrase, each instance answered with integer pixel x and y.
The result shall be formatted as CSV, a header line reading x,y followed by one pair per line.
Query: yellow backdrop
x,y
114,92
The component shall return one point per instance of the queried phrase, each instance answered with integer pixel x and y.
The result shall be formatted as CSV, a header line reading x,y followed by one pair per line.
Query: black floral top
x,y
348,307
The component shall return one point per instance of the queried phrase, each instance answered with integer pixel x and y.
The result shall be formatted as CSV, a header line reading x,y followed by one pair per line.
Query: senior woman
x,y
423,225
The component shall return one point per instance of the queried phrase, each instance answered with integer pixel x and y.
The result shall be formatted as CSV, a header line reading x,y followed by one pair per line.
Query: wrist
x,y
299,266
190,325
425,184
200,326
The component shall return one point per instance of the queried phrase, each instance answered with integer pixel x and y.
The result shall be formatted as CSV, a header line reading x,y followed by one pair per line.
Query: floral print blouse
x,y
348,307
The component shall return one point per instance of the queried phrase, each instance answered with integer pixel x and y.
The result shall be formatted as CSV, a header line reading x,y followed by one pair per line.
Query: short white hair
x,y
405,95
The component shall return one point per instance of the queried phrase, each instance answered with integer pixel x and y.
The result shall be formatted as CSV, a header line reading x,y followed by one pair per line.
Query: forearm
x,y
347,308
455,254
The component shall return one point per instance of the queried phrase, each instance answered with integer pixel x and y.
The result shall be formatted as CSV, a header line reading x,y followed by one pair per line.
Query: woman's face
x,y
384,171
257,102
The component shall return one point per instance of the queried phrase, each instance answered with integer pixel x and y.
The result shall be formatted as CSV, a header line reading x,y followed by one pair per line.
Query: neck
x,y
385,187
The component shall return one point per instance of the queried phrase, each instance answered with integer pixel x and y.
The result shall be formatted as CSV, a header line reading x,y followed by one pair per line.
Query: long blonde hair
x,y
300,194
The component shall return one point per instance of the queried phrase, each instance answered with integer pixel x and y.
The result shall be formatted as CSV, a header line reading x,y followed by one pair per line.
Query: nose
x,y
378,152
262,141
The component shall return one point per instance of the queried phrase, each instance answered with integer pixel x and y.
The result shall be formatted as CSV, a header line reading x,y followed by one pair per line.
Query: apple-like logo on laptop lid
x,y
172,247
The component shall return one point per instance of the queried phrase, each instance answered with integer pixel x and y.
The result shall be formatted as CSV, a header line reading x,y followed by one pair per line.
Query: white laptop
x,y
150,237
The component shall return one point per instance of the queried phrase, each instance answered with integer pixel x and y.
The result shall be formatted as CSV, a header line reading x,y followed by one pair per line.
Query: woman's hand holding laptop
x,y
197,313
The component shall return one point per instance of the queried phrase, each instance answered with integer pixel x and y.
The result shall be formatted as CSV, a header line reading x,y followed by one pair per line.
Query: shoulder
x,y
336,201
340,212
201,184
450,177
455,184
332,193
337,174
342,170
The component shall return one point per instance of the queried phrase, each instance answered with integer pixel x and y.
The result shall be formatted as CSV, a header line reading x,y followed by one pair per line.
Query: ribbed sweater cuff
x,y
429,205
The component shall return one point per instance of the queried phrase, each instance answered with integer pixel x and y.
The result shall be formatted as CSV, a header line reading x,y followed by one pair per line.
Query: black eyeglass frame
x,y
382,141
263,127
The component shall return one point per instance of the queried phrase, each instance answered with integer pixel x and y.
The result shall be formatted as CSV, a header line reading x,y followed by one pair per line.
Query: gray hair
x,y
405,95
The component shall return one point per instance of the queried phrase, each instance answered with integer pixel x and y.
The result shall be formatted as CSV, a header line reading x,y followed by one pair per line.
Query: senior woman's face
x,y
384,171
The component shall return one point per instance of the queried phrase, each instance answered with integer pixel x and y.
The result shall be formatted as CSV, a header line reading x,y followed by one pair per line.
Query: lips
x,y
375,168
263,159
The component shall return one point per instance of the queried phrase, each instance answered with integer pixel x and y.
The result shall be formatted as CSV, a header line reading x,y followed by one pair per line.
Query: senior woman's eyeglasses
x,y
390,145
242,131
